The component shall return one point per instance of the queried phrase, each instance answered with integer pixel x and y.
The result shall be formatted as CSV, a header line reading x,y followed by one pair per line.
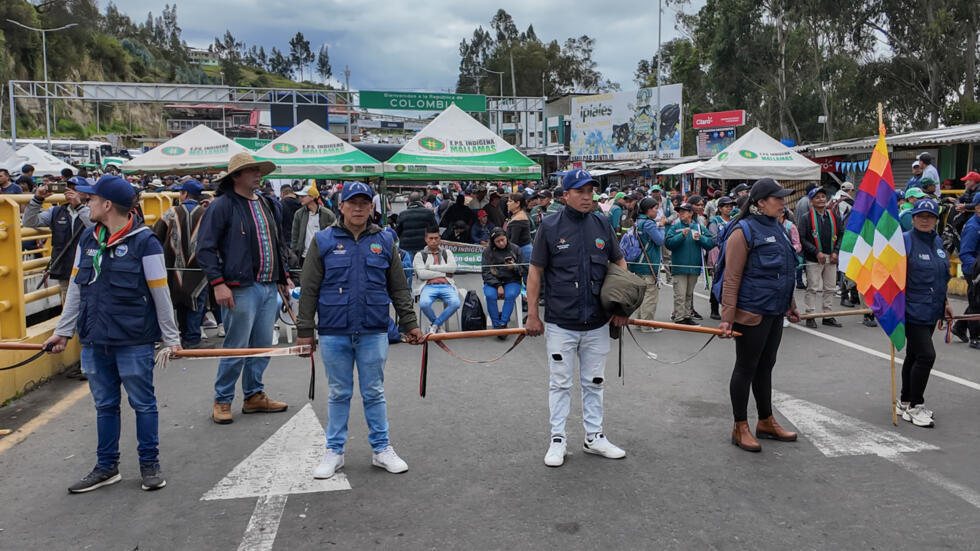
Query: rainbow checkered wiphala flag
x,y
872,253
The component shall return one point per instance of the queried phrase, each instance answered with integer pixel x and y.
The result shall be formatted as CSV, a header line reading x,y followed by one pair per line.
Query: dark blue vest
x,y
354,292
770,270
116,309
926,277
62,231
578,246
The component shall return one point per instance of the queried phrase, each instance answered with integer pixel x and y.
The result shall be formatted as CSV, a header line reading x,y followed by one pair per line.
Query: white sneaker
x,y
600,446
389,461
204,336
221,330
918,417
556,452
785,322
901,408
433,329
645,329
331,462
208,322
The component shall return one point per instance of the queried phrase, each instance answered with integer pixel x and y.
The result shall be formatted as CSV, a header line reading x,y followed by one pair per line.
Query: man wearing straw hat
x,y
243,257
119,303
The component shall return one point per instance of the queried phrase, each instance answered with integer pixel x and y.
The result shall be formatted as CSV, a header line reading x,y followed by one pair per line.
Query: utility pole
x,y
44,51
346,87
500,76
660,14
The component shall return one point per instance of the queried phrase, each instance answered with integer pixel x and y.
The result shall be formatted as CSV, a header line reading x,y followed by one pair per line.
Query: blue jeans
x,y
132,366
511,292
340,353
249,325
526,251
190,320
441,291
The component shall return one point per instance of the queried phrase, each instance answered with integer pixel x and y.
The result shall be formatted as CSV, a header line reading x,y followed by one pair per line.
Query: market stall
x,y
200,149
309,151
758,155
455,146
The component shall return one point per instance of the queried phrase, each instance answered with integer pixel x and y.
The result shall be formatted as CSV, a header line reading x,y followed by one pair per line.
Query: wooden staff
x,y
221,352
472,334
21,346
681,327
814,316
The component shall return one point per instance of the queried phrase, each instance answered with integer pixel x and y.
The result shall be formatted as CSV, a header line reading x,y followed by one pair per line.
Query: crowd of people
x,y
233,247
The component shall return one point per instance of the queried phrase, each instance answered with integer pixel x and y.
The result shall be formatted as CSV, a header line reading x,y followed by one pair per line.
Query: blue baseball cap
x,y
353,189
576,179
77,181
192,187
111,187
926,206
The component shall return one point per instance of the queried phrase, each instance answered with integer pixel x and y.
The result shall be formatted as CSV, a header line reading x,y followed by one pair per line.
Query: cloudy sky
x,y
414,44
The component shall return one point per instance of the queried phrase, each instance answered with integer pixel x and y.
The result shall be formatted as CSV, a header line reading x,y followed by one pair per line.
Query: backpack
x,y
630,244
473,318
720,266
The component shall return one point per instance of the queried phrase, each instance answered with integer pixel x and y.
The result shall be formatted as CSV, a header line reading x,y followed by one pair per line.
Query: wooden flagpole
x,y
836,314
894,410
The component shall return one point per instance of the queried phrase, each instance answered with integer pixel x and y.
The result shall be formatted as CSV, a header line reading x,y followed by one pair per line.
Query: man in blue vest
x,y
571,252
969,251
351,273
119,305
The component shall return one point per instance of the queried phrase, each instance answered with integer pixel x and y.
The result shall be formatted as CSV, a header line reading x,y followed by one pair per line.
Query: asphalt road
x,y
475,446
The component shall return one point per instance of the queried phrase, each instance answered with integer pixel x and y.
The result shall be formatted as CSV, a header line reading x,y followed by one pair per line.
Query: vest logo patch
x,y
91,252
562,244
600,244
940,253
121,250
924,256
771,239
375,248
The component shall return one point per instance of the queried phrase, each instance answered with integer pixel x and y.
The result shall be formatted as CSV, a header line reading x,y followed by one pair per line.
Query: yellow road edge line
x,y
42,419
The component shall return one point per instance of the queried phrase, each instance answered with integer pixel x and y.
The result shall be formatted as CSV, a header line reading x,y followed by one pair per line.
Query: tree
x,y
279,64
323,63
300,54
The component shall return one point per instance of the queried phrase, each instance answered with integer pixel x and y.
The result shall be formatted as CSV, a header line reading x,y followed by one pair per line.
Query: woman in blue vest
x,y
650,233
756,292
926,276
351,273
716,227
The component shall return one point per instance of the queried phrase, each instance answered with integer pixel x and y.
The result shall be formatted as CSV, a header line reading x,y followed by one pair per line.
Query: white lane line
x,y
898,359
264,524
920,470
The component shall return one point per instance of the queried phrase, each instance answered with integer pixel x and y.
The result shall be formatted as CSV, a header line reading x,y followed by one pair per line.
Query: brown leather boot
x,y
221,413
769,428
742,437
261,403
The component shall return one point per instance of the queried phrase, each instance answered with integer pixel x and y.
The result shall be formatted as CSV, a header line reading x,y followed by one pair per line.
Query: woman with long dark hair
x,y
519,224
756,292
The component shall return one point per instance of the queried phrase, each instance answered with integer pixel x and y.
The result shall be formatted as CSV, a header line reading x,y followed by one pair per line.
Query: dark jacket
x,y
289,207
829,243
457,211
411,226
495,274
228,247
574,250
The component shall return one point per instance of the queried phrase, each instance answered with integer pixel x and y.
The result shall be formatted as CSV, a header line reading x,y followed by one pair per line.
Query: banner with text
x,y
421,101
622,125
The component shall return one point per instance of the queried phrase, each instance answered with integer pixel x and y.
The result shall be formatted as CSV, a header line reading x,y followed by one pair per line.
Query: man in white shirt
x,y
434,267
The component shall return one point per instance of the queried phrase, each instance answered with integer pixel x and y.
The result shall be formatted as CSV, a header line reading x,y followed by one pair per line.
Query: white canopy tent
x,y
758,155
200,149
683,168
44,163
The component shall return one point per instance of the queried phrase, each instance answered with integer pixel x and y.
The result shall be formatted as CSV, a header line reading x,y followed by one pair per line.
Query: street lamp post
x,y
499,74
44,50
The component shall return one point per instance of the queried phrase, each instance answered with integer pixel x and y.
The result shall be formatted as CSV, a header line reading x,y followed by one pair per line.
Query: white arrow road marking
x,y
837,435
280,466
